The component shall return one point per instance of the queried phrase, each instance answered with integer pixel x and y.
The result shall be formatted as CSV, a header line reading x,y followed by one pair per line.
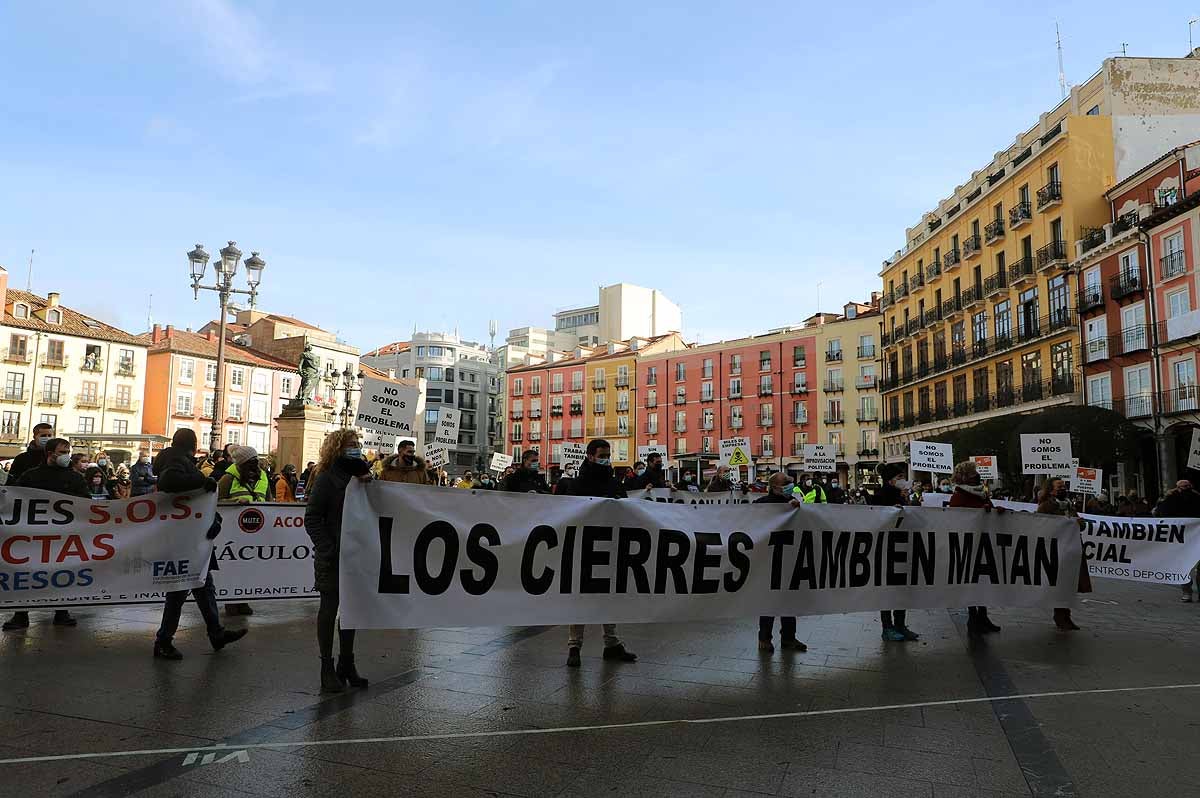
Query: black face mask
x,y
355,466
408,459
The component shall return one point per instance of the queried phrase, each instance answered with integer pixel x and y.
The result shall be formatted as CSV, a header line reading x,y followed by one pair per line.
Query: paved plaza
x,y
492,711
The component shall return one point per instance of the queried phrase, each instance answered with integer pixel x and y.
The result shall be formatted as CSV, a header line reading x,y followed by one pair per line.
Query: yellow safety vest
x,y
241,493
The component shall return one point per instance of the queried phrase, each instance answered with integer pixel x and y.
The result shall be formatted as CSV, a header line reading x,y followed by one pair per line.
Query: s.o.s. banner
x,y
58,550
415,556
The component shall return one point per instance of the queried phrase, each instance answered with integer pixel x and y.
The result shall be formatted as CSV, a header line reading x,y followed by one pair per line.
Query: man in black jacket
x,y
34,454
596,479
175,467
1182,501
527,478
779,491
52,473
654,477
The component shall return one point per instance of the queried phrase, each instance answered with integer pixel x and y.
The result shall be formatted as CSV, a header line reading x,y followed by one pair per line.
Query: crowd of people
x,y
239,474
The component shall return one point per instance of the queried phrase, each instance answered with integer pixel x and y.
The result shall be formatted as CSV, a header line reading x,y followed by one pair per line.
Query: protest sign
x,y
1046,454
937,458
1194,452
501,461
446,432
416,556
387,407
437,456
381,442
735,452
819,457
573,454
1088,480
58,550
643,452
985,464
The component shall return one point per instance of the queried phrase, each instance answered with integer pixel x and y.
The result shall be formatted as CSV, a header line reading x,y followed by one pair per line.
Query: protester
x,y
244,480
487,481
97,484
596,479
223,461
1182,501
175,467
405,466
1141,507
1054,500
890,493
527,478
970,492
654,476
121,487
306,474
689,482
34,454
285,486
341,460
834,493
809,491
565,484
79,463
720,483
630,482
779,491
53,474
104,463
465,482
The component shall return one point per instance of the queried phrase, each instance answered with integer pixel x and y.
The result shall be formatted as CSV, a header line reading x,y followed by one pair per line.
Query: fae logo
x,y
165,568
251,520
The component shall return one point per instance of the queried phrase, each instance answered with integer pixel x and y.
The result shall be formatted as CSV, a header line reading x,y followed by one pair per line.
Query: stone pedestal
x,y
301,432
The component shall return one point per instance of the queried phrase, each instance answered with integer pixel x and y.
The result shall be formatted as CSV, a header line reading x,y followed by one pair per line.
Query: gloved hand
x,y
210,485
214,528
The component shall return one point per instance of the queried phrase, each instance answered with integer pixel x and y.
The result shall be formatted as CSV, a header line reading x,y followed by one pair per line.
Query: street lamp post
x,y
226,269
350,384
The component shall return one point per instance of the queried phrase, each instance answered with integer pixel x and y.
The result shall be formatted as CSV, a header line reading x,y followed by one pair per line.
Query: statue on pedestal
x,y
310,371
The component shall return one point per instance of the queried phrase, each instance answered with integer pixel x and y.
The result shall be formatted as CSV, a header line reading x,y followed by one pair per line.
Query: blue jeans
x,y
206,600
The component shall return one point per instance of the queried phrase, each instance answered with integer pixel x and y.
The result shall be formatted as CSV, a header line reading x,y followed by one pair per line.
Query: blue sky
x,y
444,164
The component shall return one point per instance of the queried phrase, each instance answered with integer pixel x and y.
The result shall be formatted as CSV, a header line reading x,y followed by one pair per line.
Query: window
x,y
124,397
1031,375
735,417
735,363
125,361
556,383
183,403
450,378
258,439
1060,312
622,376
1094,111
20,311
706,370
55,355
262,381
835,347
210,373
652,424
1095,334
1061,367
706,419
87,424
518,386
680,395
598,403
535,408
121,427
1004,382
622,425
187,370
285,386
435,351
1137,391
764,360
1027,315
706,392
18,348
681,421
798,357
420,351
258,412
652,375
237,378
598,379
235,409
434,373
49,418
1003,322
706,444
979,327
766,385
535,383
680,371
1178,304
623,402
10,423
735,388
1099,390
766,415
54,317
431,416
233,435
52,390
209,404
768,446
799,382
622,450
652,398
598,426
680,445
799,412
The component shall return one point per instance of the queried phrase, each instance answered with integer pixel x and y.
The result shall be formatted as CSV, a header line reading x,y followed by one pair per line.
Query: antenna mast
x,y
1062,75
29,279
150,313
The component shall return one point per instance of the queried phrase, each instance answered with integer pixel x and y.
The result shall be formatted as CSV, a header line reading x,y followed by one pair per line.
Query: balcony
x,y
980,403
971,246
972,295
707,397
535,413
11,433
92,364
535,436
578,386
91,401
766,421
1021,272
1172,264
598,384
1053,255
622,382
979,349
126,368
622,407
901,290
1137,406
912,327
867,416
834,386
1090,298
766,390
1130,341
1060,319
835,418
517,415
680,427
1049,195
995,284
1126,284
735,393
833,356
1126,221
206,413
952,307
651,401
736,422
994,230
577,410
958,355
951,260
933,271
932,316
556,410
1092,237
680,399
916,281
515,437
1030,330
800,419
50,398
556,435
865,382
14,395
1019,214
868,450
1181,399
17,356
650,427
48,361
866,352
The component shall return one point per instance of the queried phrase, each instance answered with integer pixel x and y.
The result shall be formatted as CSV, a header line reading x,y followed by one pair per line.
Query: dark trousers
x,y
787,627
206,600
892,618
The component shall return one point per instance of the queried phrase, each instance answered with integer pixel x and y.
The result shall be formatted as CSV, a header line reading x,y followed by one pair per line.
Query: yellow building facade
x,y
610,409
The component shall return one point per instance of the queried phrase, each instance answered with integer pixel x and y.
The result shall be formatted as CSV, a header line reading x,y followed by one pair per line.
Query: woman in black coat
x,y
341,460
891,494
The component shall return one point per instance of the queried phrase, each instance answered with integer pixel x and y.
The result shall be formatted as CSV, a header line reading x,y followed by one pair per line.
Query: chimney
x,y
212,336
874,299
156,333
52,299
168,331
3,287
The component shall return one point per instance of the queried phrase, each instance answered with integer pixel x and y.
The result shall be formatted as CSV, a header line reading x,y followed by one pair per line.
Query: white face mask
x,y
902,484
833,484
103,461
144,459
63,461
43,440
639,471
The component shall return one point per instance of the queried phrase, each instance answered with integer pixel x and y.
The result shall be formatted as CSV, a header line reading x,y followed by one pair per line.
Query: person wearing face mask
x,y
596,479
97,484
655,476
245,481
341,460
779,491
104,463
809,491
405,466
34,455
466,481
142,475
566,483
720,483
53,474
689,482
285,486
834,494
1055,500
633,477
970,492
891,494
79,463
527,478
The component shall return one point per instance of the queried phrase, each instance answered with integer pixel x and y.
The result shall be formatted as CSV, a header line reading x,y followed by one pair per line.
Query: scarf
x,y
974,490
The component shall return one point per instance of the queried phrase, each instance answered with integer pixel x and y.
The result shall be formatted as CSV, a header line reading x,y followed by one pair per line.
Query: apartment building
x,y
181,388
61,367
977,307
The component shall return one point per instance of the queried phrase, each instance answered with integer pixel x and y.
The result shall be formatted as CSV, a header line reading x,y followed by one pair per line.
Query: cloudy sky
x,y
440,165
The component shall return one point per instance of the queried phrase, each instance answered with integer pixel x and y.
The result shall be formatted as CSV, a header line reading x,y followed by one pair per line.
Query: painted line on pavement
x,y
602,727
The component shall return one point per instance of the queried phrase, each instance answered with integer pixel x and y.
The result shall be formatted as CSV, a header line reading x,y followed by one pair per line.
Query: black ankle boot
x,y
348,673
330,681
985,622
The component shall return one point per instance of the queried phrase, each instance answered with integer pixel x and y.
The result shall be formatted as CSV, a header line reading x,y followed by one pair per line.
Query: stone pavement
x,y
95,688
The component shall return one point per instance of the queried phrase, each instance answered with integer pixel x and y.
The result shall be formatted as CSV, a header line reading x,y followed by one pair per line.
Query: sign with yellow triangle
x,y
735,452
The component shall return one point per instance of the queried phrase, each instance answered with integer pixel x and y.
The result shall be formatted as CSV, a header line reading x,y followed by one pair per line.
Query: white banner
x,y
446,432
263,553
1158,550
387,406
58,550
414,556
687,497
1046,454
937,458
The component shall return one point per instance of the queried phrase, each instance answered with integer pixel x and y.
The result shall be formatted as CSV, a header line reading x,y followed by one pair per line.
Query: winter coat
x,y
886,495
774,498
30,458
835,495
232,487
964,498
323,522
651,478
719,485
525,481
141,475
1179,504
285,489
1052,506
394,470
596,480
177,472
57,480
